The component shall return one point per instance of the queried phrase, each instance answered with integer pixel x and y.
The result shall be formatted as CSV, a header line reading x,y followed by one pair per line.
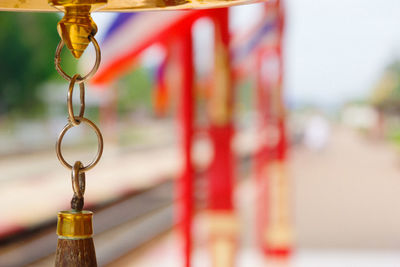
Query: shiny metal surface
x,y
100,144
123,5
75,225
70,105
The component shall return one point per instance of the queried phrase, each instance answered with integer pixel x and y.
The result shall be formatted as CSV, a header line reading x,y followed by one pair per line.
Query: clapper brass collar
x,y
77,25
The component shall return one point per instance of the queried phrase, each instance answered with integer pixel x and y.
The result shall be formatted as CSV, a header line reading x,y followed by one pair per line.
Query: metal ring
x,y
69,100
68,126
78,179
57,61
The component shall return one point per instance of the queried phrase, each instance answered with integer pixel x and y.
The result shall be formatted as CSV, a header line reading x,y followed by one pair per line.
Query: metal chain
x,y
57,61
78,170
71,114
78,186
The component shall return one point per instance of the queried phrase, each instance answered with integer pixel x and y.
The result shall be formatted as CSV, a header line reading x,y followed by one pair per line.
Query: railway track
x,y
120,227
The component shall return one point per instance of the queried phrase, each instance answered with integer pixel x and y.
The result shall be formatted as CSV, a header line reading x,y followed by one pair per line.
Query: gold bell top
x,y
123,5
77,24
75,225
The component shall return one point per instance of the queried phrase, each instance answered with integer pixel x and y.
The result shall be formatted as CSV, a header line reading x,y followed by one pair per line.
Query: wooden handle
x,y
75,253
75,246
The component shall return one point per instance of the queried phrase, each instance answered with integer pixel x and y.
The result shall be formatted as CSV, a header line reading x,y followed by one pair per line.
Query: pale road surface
x,y
347,195
346,211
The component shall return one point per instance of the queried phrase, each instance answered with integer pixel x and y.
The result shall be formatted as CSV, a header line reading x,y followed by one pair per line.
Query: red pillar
x,y
282,145
186,112
220,113
274,220
223,228
263,155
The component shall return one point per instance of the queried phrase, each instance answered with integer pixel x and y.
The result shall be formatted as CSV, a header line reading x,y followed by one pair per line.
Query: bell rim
x,y
129,6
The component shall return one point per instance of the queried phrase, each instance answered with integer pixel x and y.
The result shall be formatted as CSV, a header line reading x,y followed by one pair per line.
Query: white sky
x,y
335,50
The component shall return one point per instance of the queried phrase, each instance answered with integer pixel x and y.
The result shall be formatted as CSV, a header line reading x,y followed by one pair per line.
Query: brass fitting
x,y
77,24
75,225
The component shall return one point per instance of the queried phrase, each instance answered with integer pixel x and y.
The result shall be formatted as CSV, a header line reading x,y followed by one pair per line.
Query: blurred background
x,y
315,185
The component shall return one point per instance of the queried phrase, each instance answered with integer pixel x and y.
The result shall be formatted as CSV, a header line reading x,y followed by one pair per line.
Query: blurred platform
x,y
167,248
344,197
34,187
345,211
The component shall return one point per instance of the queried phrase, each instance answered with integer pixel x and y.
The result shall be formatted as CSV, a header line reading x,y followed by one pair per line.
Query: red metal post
x,y
263,153
222,219
186,112
274,220
220,113
282,145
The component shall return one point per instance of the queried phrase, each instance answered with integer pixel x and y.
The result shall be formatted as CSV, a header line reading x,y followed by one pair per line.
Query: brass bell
x,y
121,5
77,25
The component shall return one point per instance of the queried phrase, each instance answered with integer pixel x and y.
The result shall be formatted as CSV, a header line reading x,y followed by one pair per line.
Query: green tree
x,y
27,45
386,94
135,91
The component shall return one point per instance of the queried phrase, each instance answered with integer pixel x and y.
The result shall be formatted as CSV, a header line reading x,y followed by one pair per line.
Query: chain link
x,y
78,169
71,117
78,185
78,179
57,62
68,126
